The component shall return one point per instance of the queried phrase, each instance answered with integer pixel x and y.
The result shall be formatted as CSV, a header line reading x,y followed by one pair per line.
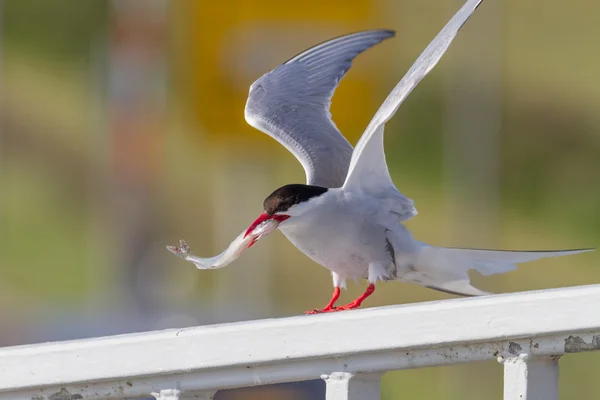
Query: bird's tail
x,y
449,266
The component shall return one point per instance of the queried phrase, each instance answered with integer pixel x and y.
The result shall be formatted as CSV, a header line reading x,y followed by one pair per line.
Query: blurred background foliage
x,y
121,130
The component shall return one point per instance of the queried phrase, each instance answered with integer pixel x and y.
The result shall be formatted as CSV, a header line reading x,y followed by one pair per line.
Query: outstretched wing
x,y
291,104
368,170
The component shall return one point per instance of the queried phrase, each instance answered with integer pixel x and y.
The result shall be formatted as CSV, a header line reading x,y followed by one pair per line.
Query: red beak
x,y
261,218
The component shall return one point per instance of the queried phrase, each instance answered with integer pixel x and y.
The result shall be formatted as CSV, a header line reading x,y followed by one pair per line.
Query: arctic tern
x,y
348,217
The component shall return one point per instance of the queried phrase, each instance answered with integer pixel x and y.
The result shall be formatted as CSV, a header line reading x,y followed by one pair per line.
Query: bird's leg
x,y
356,303
330,306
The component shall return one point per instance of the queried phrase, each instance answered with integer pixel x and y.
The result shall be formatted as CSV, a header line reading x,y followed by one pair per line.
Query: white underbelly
x,y
345,247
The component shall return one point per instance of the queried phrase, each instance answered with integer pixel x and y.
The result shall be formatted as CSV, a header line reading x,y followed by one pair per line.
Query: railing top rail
x,y
365,337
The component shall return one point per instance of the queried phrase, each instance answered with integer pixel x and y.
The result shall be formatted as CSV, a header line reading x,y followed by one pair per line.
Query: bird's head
x,y
287,202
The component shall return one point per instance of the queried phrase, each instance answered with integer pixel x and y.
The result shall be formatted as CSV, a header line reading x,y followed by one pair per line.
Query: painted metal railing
x,y
527,332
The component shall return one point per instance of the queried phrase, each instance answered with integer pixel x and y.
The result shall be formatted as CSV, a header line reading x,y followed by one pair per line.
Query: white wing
x,y
368,170
291,104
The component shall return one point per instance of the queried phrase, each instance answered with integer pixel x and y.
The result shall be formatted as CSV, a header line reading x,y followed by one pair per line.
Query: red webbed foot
x,y
350,306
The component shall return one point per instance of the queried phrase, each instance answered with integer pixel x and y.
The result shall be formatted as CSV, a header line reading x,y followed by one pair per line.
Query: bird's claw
x,y
349,306
182,251
322,310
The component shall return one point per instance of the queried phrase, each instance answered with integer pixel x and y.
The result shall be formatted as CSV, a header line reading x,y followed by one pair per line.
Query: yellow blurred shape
x,y
231,44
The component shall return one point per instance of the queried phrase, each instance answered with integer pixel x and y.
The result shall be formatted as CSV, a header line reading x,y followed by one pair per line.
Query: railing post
x,y
530,378
348,386
167,394
176,394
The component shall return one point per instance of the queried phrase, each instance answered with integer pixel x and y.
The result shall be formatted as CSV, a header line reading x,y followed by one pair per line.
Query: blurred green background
x,y
122,130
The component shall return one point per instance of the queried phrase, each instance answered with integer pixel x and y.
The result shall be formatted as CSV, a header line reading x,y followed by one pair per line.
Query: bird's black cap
x,y
289,195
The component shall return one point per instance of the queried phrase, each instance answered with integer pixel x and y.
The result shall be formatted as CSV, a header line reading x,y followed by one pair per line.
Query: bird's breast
x,y
343,244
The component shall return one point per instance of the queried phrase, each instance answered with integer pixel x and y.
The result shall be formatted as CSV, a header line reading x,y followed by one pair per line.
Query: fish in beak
x,y
264,225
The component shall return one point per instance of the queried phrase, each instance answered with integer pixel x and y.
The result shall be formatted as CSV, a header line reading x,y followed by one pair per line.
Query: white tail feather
x,y
489,262
446,269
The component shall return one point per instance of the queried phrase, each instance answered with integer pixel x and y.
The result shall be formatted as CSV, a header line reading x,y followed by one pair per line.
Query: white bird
x,y
348,217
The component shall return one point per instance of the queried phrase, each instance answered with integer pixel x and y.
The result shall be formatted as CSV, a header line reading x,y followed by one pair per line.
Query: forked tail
x,y
446,268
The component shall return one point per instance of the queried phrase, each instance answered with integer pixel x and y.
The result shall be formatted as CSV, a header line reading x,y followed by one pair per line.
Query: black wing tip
x,y
382,33
385,33
389,32
458,293
581,250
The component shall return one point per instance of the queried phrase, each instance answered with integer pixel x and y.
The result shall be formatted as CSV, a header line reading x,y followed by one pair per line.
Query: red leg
x,y
356,303
329,307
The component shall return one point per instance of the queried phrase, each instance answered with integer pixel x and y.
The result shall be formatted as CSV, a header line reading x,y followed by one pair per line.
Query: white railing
x,y
527,332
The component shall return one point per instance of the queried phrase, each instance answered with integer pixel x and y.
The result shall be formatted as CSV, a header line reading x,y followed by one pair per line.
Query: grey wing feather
x,y
291,104
368,170
464,289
